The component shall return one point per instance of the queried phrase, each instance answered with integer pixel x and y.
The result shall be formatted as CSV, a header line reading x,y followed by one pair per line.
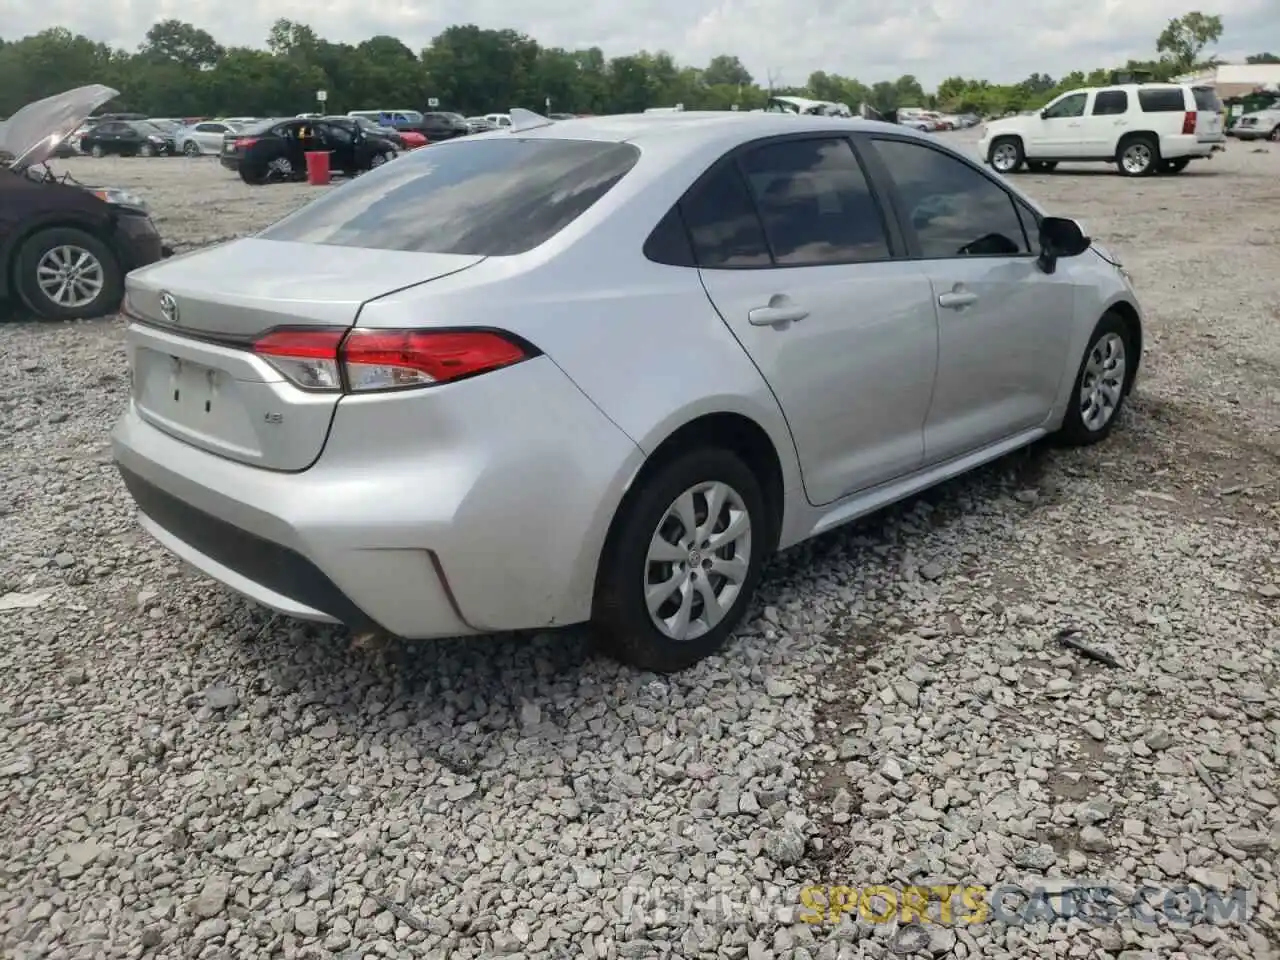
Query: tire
x,y
191,149
146,150
620,612
255,176
1138,156
1274,135
1042,166
68,248
97,151
1005,155
1175,166
1078,428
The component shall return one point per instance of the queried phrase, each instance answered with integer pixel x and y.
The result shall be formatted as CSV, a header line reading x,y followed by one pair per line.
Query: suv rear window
x,y
1206,99
484,198
1162,100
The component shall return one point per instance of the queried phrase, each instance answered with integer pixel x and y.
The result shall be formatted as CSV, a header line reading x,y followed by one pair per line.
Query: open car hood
x,y
32,134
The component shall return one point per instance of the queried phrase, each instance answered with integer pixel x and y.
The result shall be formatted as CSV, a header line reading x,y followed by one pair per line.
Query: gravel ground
x,y
182,775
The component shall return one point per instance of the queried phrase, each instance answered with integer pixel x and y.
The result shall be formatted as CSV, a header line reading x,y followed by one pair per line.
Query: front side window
x,y
485,198
815,202
1071,105
955,210
1110,103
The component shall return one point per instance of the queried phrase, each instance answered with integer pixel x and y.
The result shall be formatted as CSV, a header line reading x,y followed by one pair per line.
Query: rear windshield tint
x,y
486,198
1162,100
1206,99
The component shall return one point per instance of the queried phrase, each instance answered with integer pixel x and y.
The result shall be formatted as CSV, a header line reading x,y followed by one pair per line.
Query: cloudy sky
x,y
1002,40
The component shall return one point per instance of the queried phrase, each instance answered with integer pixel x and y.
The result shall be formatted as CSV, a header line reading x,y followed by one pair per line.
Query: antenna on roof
x,y
522,119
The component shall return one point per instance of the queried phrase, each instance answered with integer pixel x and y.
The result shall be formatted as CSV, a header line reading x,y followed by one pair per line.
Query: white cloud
x,y
1001,40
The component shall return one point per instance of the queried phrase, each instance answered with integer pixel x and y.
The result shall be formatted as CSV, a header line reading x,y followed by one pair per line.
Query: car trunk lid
x,y
195,375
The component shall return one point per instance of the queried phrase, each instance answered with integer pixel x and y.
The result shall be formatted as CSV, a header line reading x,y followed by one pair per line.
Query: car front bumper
x,y
138,242
466,508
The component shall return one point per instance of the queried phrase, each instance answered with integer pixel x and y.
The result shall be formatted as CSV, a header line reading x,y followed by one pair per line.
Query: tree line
x,y
181,70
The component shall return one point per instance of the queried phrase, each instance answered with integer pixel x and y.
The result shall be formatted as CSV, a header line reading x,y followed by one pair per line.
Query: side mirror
x,y
1060,237
1044,114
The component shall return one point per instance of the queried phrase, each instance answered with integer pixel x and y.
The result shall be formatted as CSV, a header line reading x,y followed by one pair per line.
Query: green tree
x,y
183,44
1185,38
727,70
1262,58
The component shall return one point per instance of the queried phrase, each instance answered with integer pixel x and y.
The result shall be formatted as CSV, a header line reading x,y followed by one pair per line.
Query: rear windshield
x,y
1162,100
486,198
1206,99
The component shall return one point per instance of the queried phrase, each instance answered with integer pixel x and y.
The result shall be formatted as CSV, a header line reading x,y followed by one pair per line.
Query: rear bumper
x,y
1175,147
479,509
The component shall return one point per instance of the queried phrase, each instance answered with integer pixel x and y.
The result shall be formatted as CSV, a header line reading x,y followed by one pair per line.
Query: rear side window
x,y
722,222
1110,102
486,198
1206,100
1162,100
816,204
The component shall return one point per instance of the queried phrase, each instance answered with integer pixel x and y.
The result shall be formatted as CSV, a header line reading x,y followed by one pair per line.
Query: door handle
x,y
775,316
956,299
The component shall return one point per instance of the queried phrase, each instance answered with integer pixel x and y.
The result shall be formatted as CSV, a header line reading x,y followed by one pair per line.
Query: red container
x,y
318,167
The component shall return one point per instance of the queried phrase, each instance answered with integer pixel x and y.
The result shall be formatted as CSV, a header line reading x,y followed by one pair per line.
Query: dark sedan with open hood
x,y
65,247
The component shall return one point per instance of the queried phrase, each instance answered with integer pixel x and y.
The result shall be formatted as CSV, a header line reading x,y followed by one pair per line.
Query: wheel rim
x,y
282,166
1137,158
378,160
1275,134
97,151
70,276
697,561
146,150
1004,156
190,149
1102,385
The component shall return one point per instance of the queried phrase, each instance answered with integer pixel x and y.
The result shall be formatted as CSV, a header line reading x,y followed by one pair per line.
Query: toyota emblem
x,y
169,307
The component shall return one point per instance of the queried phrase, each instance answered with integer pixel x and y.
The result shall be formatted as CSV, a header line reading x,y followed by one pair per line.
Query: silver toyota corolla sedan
x,y
600,369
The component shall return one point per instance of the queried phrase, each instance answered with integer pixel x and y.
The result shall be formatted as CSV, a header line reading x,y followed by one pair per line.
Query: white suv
x,y
1142,128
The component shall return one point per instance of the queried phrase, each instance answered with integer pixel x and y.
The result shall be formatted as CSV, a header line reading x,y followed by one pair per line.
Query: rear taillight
x,y
244,143
365,360
309,358
1189,123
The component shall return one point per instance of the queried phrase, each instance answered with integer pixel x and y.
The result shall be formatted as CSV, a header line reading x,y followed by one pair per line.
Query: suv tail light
x,y
1189,123
360,361
244,143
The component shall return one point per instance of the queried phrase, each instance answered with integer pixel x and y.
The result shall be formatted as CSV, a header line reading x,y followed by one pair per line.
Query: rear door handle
x,y
954,300
775,316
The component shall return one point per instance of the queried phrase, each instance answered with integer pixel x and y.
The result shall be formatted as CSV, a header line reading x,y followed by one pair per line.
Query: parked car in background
x,y
65,247
128,138
499,120
479,125
439,126
279,151
397,408
1259,125
203,138
404,139
561,116
1143,128
229,157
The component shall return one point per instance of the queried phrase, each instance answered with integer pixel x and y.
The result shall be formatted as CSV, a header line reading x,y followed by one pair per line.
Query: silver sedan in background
x,y
204,138
600,369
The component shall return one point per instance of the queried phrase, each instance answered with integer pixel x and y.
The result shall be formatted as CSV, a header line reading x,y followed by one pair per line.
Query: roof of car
x,y
695,126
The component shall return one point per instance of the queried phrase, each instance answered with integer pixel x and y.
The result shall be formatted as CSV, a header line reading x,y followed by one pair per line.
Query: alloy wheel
x,y
1137,158
698,560
1004,157
1102,386
70,276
